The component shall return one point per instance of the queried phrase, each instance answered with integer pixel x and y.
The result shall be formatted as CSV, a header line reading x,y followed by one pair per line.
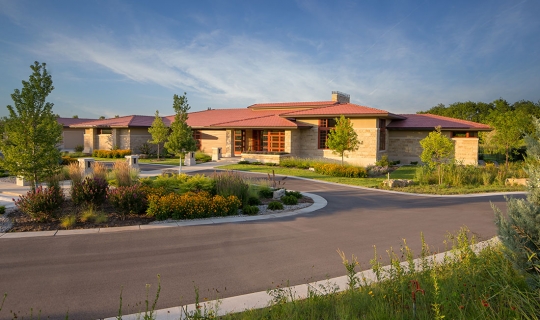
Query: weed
x,y
350,266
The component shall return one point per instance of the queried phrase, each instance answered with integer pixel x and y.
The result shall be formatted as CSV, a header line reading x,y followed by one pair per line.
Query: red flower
x,y
461,307
485,303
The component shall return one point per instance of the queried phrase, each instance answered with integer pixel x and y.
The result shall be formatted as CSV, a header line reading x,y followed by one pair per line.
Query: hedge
x,y
118,153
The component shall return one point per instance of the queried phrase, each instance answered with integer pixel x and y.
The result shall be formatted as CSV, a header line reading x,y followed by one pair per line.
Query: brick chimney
x,y
340,97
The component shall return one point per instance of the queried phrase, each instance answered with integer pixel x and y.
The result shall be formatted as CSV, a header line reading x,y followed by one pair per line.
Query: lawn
x,y
404,172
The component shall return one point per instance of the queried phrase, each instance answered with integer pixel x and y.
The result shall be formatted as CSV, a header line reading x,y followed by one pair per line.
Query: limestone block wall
x,y
104,141
89,140
293,142
213,139
72,137
367,153
405,147
137,137
466,150
124,138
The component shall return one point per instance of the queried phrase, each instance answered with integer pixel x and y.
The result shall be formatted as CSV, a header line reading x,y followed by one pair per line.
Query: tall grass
x,y
75,173
99,170
123,174
231,183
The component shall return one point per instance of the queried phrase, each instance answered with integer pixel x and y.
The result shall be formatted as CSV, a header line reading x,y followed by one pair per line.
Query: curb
x,y
318,203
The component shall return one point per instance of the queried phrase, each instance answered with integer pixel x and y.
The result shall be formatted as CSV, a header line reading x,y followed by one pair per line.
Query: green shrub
x,y
67,160
90,214
128,199
266,192
295,194
91,191
275,205
79,148
383,161
191,205
202,157
253,201
336,170
243,162
250,210
290,200
2,209
117,153
42,203
198,183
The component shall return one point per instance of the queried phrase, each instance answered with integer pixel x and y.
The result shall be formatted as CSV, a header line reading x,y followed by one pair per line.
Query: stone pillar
x,y
86,165
189,159
22,182
133,161
216,153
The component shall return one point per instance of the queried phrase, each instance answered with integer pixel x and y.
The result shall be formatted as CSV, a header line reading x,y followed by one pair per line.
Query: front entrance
x,y
239,142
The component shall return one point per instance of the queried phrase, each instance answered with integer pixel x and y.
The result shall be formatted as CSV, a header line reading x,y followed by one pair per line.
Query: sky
x,y
114,57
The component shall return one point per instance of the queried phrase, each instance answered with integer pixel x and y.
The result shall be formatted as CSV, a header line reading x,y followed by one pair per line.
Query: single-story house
x,y
296,129
71,136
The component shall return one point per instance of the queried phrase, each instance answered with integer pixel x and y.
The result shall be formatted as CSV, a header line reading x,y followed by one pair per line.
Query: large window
x,y
382,134
268,140
325,125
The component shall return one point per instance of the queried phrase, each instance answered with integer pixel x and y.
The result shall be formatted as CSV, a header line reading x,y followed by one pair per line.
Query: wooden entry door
x,y
239,142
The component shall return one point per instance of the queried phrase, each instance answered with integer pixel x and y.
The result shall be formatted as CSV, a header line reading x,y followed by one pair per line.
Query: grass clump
x,y
68,221
250,210
91,214
231,183
295,194
275,205
289,200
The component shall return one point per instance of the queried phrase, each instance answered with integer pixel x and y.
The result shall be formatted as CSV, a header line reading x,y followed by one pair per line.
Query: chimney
x,y
340,97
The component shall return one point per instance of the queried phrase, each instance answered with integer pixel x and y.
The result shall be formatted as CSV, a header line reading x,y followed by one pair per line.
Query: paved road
x,y
84,274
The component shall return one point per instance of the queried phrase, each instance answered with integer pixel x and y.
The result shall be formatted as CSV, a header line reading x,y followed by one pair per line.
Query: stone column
x,y
86,165
133,161
189,159
216,153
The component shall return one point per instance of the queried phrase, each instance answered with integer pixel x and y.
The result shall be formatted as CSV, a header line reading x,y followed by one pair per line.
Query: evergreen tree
x,y
437,149
181,136
519,229
31,131
342,138
159,132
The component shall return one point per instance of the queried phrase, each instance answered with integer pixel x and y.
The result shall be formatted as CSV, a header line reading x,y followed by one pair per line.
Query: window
x,y
464,134
197,137
325,125
275,141
104,131
382,134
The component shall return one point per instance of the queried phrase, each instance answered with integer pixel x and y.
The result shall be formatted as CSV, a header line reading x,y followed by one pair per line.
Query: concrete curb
x,y
262,299
470,195
318,203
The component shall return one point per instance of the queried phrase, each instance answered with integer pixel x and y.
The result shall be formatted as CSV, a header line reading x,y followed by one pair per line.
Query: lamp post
x,y
180,171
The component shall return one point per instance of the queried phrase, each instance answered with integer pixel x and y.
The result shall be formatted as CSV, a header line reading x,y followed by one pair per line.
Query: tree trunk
x,y
342,159
158,151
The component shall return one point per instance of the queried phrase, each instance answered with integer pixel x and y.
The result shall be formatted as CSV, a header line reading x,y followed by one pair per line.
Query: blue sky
x,y
130,57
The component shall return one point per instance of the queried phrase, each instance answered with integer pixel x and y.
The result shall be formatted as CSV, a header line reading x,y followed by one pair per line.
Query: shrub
x,y
243,162
289,200
128,199
68,221
90,214
79,148
250,210
275,205
253,201
336,170
117,153
91,191
42,203
266,192
198,183
383,161
67,160
191,205
295,194
2,209
202,157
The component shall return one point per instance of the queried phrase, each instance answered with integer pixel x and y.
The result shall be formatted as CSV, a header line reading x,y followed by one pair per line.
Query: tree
x,y
31,131
508,133
159,132
519,229
101,117
181,137
437,149
342,138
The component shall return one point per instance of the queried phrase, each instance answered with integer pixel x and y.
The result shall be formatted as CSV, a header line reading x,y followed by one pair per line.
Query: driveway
x,y
85,274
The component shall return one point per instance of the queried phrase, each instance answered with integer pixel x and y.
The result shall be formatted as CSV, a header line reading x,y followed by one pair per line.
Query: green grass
x,y
304,173
404,172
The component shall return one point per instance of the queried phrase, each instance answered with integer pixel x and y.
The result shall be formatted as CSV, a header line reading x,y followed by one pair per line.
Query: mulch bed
x,y
23,222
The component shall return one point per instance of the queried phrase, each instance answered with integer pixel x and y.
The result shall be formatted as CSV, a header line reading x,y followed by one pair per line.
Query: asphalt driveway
x,y
84,274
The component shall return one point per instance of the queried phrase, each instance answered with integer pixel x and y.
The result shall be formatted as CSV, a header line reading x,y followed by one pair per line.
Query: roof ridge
x,y
244,119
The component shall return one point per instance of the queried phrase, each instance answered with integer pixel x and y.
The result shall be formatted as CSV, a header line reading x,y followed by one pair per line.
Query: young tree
x,y
159,132
437,149
519,229
181,136
31,132
509,131
342,138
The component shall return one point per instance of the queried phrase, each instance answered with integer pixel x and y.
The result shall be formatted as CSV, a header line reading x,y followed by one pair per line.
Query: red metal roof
x,y
268,121
346,109
430,121
292,104
66,122
120,122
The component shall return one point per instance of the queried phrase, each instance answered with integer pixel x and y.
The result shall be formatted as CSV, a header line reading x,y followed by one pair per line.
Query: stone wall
x,y
466,150
367,153
137,137
89,140
405,147
212,139
72,137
